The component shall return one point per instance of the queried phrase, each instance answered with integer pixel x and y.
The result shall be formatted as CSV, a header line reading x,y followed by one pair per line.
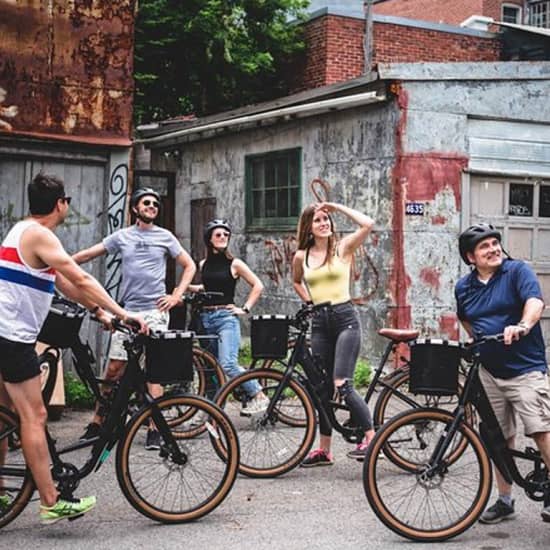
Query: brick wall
x,y
452,13
334,51
395,43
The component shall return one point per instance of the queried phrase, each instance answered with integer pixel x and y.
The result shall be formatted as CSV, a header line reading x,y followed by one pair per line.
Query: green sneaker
x,y
66,509
5,503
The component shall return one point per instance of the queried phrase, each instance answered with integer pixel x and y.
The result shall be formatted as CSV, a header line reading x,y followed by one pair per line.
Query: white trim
x,y
307,109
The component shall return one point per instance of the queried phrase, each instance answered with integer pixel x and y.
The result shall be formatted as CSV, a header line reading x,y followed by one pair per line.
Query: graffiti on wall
x,y
118,190
6,111
280,258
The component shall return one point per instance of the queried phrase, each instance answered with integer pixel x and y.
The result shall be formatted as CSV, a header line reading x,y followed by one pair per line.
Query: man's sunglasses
x,y
66,199
148,202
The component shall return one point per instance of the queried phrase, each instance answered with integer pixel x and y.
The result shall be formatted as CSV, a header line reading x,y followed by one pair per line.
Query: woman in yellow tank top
x,y
321,273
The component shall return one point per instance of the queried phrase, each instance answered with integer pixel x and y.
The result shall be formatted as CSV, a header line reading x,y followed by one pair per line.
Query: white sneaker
x,y
258,404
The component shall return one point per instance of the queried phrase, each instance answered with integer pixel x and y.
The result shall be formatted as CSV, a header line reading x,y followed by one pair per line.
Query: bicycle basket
x,y
269,336
62,325
169,356
434,366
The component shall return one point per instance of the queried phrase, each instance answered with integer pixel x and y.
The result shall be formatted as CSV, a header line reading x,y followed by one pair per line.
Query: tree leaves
x,y
206,56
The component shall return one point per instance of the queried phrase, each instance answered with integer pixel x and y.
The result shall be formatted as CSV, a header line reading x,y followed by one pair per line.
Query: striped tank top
x,y
25,292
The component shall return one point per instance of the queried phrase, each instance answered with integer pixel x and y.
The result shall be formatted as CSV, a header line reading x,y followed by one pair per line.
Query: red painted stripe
x,y
10,254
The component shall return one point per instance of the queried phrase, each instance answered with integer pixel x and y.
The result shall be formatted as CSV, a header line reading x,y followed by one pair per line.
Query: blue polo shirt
x,y
491,307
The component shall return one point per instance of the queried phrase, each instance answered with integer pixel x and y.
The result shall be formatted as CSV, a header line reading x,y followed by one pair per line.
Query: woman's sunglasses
x,y
148,202
221,234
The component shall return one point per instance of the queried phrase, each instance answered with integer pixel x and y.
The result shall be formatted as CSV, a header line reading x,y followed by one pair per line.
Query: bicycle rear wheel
x,y
270,446
178,487
16,483
434,502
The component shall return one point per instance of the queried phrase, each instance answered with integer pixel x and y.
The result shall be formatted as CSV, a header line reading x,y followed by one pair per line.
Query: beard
x,y
145,218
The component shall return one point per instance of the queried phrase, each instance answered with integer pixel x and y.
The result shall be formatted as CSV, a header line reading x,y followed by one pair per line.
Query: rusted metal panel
x,y
67,67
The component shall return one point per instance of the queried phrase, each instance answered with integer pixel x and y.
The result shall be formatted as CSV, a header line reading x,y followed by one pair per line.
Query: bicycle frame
x,y
493,438
133,379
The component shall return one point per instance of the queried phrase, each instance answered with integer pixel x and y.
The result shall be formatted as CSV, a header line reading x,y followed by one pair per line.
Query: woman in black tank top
x,y
220,272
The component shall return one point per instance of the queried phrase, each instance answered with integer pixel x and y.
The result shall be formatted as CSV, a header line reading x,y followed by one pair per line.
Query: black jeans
x,y
336,341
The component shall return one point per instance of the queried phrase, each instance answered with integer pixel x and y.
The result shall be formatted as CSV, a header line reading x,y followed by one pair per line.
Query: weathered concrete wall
x,y
66,66
353,150
433,150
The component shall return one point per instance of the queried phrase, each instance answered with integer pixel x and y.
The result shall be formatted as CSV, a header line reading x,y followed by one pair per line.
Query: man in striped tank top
x,y
32,261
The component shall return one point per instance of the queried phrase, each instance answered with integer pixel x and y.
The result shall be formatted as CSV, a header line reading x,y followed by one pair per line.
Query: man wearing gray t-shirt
x,y
144,249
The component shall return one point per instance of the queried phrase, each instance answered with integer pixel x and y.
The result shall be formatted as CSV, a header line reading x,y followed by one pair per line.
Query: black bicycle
x,y
182,481
299,389
448,481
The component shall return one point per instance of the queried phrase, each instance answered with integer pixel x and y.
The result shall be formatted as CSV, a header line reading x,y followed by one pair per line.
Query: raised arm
x,y
88,254
83,287
351,242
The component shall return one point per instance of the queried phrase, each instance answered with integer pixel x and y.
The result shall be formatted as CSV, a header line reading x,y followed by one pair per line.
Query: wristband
x,y
94,310
524,326
246,309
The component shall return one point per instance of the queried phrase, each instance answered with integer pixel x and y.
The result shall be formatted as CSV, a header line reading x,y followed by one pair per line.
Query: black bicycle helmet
x,y
474,234
214,224
142,192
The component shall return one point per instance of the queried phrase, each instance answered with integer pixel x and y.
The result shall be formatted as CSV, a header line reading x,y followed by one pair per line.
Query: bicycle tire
x,y
19,485
389,400
269,447
153,481
413,504
208,378
48,362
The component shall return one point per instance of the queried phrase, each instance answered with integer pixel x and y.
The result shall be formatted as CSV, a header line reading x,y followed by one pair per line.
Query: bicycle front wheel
x,y
16,483
177,487
436,501
270,446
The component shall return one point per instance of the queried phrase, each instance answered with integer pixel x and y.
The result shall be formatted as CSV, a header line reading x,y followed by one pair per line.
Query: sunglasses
x,y
148,202
221,234
66,199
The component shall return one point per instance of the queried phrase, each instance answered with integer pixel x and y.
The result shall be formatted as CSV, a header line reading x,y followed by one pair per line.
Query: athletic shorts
x,y
526,396
18,361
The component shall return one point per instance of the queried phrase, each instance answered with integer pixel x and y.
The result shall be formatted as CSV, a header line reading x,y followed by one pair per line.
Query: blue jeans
x,y
226,327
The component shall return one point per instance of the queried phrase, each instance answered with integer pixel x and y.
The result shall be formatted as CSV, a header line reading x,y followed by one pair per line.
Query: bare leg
x,y
325,442
27,400
542,439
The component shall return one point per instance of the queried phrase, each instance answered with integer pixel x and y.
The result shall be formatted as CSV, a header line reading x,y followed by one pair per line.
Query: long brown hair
x,y
305,237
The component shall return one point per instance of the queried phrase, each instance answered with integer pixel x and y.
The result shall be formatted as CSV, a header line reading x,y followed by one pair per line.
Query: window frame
x,y
540,3
256,223
515,7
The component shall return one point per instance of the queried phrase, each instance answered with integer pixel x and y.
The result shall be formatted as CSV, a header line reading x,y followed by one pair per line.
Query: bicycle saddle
x,y
399,335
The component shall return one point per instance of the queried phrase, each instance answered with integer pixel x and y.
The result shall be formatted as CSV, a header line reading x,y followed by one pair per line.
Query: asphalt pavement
x,y
316,508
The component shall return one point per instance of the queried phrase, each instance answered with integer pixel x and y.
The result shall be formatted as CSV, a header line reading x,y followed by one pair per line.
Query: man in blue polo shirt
x,y
502,295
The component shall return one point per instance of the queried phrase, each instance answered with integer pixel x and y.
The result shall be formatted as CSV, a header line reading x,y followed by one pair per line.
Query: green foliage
x,y
77,395
363,373
205,56
245,355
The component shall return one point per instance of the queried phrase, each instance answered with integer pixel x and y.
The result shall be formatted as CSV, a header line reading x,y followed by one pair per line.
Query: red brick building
x,y
335,45
454,13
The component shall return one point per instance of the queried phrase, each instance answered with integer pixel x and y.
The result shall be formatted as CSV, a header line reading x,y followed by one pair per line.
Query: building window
x,y
511,14
539,14
273,184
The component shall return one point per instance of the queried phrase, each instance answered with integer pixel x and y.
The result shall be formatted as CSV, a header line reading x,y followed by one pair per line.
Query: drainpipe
x,y
368,38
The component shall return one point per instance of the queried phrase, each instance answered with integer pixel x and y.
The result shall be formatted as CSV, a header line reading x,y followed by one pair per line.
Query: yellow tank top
x,y
328,283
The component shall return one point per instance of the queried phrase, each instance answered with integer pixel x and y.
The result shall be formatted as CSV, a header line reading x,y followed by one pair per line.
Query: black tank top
x,y
217,277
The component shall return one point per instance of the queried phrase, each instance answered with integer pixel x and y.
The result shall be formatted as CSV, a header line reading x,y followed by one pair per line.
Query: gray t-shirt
x,y
144,253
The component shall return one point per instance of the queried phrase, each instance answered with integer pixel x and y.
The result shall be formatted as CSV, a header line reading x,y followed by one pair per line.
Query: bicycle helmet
x,y
474,234
214,224
142,192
